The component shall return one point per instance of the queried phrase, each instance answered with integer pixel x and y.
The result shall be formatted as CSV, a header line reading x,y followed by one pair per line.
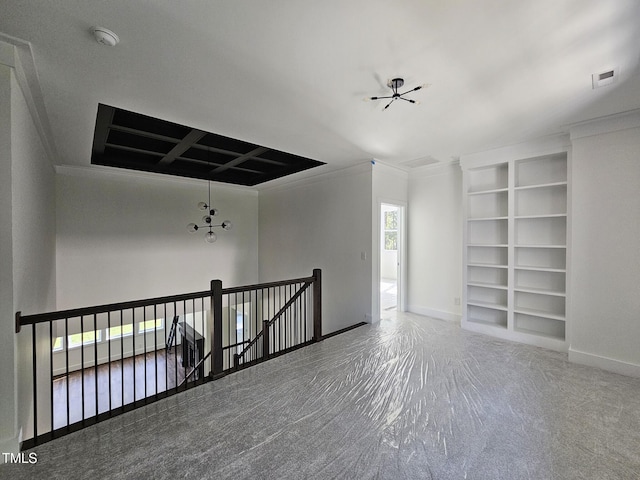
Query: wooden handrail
x,y
95,310
259,286
84,311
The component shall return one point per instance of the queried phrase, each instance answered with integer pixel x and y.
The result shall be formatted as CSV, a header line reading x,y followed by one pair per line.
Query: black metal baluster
x,y
51,369
95,358
197,353
273,308
296,318
155,342
255,324
185,347
175,351
65,343
34,353
243,315
133,357
232,324
277,325
166,351
121,359
203,326
82,363
109,356
289,319
247,334
143,328
300,307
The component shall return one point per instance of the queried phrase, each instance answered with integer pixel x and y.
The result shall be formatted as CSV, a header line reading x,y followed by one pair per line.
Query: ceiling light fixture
x,y
105,36
210,236
394,84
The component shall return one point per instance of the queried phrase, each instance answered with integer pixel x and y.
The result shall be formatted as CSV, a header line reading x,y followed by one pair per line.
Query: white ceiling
x,y
292,74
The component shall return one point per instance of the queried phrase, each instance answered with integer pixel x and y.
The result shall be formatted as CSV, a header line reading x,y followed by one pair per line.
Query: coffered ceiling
x,y
291,75
133,141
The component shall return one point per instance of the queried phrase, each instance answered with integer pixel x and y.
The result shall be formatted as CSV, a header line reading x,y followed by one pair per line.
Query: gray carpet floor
x,y
409,398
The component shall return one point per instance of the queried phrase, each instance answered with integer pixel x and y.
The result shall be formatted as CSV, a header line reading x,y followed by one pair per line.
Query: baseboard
x,y
343,330
9,445
439,314
605,363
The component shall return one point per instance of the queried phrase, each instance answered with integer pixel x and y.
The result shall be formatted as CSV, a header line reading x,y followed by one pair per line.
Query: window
x,y
85,338
58,344
239,327
119,331
391,230
151,325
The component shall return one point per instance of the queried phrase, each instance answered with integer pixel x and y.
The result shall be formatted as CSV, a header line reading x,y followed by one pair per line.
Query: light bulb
x,y
206,219
210,237
203,206
213,212
192,227
227,225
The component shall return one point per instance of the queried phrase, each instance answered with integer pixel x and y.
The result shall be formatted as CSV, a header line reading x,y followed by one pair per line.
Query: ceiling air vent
x,y
420,162
605,78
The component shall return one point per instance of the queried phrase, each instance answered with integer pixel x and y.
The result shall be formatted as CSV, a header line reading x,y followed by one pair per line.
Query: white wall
x,y
435,241
123,237
323,222
8,440
605,249
28,251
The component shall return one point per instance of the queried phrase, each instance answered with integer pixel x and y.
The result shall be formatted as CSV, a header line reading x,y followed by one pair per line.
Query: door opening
x,y
390,257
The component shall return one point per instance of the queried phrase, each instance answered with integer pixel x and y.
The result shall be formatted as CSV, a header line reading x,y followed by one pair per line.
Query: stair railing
x,y
89,364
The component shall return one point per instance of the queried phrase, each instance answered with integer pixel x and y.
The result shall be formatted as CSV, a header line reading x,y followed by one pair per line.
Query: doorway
x,y
390,257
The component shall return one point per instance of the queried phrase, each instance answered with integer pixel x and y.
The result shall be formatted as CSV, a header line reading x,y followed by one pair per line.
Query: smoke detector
x,y
105,36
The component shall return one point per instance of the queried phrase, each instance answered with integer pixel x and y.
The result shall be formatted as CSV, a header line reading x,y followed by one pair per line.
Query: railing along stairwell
x,y
93,363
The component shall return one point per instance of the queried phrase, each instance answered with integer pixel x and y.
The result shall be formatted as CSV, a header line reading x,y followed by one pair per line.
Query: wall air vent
x,y
605,78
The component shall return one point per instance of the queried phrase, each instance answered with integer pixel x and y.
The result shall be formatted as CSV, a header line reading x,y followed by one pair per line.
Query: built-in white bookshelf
x,y
515,258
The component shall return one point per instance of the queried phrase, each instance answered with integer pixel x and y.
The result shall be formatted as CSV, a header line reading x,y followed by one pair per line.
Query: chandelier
x,y
394,84
207,219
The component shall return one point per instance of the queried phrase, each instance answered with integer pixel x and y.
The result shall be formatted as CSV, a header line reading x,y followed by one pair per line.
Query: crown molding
x,y
101,172
606,124
364,167
27,77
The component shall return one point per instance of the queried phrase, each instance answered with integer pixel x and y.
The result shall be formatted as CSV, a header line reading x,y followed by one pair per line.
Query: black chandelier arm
x,y
407,100
381,98
412,90
387,106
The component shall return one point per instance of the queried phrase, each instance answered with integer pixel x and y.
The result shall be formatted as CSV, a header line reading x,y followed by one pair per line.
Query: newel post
x,y
266,347
216,330
317,304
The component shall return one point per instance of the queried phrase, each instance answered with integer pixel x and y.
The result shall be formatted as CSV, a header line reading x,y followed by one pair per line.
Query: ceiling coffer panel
x,y
134,141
